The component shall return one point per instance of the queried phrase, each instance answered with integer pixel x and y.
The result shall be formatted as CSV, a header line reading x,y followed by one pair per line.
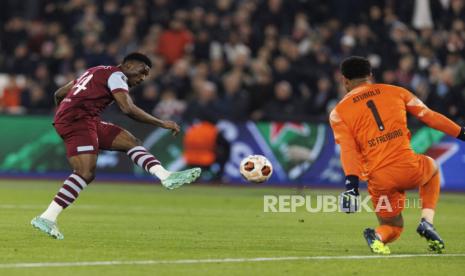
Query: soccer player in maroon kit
x,y
77,121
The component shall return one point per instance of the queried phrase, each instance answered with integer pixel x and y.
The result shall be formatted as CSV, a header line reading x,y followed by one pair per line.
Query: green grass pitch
x,y
146,222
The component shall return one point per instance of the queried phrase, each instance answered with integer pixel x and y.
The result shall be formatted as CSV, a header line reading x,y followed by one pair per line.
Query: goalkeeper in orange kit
x,y
370,125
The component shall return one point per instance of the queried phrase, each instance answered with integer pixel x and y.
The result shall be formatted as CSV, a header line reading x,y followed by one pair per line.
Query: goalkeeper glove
x,y
461,135
349,199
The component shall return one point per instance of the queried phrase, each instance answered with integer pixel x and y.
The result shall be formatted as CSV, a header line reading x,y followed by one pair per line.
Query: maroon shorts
x,y
87,136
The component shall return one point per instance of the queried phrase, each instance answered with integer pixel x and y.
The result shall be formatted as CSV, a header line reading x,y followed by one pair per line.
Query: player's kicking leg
x,y
126,142
83,173
429,195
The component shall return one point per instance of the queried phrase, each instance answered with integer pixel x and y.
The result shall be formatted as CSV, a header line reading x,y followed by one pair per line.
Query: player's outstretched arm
x,y
60,94
433,119
351,163
128,107
350,153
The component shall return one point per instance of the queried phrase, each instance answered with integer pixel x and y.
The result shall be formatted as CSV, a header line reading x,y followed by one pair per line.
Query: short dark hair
x,y
355,67
138,57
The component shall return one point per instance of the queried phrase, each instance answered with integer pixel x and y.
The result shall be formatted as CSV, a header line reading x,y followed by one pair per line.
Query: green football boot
x,y
177,179
375,244
427,231
47,226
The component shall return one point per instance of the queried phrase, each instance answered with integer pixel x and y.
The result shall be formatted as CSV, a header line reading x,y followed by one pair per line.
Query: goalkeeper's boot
x,y
47,226
177,179
374,243
426,230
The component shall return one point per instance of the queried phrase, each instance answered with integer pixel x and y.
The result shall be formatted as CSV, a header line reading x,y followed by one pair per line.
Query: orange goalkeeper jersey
x,y
370,125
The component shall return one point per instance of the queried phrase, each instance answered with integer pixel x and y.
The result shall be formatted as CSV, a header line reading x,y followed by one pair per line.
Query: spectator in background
x,y
178,79
389,77
111,20
127,40
169,107
202,45
37,100
282,107
90,22
161,11
262,41
405,72
217,68
455,11
42,77
205,105
64,53
438,96
235,50
274,12
148,98
174,42
318,104
282,70
20,62
14,31
454,98
10,100
234,101
457,65
261,87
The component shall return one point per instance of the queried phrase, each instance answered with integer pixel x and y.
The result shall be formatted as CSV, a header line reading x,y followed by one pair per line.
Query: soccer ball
x,y
256,168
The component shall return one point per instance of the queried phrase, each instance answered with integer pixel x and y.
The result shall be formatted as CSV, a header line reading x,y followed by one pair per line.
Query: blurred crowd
x,y
234,59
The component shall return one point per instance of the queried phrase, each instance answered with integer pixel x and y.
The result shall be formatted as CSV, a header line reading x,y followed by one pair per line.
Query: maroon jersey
x,y
91,94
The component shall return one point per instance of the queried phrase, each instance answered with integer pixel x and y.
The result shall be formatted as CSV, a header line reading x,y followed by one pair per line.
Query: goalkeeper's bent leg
x,y
429,195
374,243
388,233
390,228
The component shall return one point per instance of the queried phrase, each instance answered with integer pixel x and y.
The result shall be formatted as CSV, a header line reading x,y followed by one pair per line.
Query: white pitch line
x,y
227,260
40,206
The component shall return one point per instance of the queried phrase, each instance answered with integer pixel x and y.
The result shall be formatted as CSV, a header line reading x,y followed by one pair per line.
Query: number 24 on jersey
x,y
81,83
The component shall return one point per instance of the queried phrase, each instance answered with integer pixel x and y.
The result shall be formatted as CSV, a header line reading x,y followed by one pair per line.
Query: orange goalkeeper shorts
x,y
387,186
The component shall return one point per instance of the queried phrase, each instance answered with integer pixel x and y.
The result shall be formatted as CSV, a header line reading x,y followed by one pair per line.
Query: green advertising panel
x,y
295,145
30,144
